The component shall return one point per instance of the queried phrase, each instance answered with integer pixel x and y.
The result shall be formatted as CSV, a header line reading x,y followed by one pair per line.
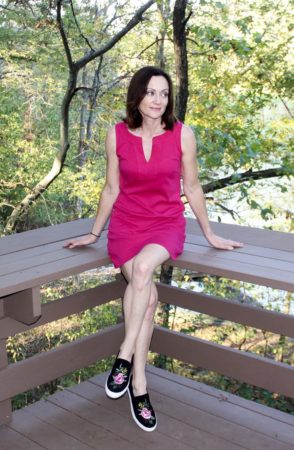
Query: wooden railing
x,y
30,259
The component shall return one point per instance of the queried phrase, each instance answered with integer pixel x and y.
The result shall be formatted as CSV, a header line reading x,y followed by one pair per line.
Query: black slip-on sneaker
x,y
118,380
142,410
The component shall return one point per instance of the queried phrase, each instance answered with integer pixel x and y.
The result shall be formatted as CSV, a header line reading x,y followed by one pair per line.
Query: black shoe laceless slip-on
x,y
142,410
118,380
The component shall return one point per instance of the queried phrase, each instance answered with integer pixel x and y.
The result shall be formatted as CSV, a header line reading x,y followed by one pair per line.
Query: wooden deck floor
x,y
190,416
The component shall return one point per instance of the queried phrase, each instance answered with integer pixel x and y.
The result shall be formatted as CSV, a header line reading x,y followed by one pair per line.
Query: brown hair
x,y
137,91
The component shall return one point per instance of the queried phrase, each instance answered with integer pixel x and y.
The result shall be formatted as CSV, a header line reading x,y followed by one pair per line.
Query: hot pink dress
x,y
148,208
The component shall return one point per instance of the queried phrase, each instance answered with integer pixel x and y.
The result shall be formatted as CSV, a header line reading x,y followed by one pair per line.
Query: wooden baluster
x,y
5,406
119,277
24,306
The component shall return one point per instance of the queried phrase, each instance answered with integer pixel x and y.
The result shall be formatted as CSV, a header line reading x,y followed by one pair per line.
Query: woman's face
x,y
155,101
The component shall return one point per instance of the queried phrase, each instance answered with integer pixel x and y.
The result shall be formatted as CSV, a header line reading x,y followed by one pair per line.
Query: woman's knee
x,y
142,273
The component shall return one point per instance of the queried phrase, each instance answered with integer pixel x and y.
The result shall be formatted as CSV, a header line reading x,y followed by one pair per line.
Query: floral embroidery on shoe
x,y
120,376
145,411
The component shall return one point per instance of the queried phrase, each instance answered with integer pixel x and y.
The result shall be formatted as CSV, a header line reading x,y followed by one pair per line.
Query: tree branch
x,y
114,17
187,18
151,45
8,9
132,23
205,52
82,88
63,35
242,177
2,204
287,107
228,210
78,27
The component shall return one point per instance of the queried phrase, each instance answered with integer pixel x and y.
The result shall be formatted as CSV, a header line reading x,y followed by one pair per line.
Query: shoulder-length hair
x,y
137,91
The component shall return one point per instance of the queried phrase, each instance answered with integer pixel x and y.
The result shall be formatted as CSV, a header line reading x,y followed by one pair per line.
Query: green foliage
x,y
239,70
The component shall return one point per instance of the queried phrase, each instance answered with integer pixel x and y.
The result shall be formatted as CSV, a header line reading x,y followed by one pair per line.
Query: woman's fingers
x,y
80,242
224,244
69,244
236,244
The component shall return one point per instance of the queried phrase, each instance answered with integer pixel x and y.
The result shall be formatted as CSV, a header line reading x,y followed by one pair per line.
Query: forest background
x,y
64,70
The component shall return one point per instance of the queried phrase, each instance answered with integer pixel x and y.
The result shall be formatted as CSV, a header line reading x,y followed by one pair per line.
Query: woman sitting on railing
x,y
147,154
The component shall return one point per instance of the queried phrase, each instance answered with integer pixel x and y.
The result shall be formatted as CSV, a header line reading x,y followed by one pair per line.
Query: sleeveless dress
x,y
148,209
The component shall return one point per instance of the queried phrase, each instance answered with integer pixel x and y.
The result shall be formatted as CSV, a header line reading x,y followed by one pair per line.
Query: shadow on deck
x,y
191,415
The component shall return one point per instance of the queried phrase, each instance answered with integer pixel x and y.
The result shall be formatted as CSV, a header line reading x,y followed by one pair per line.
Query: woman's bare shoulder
x,y
111,139
188,137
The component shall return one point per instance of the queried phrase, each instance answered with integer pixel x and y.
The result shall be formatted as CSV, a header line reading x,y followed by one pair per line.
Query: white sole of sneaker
x,y
135,418
115,395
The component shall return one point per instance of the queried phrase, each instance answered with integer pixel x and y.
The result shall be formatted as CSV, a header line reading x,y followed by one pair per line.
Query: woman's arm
x,y
194,193
108,195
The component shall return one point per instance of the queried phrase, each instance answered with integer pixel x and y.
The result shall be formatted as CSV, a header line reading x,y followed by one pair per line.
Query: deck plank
x,y
12,440
237,255
248,235
43,433
73,424
31,258
250,249
44,235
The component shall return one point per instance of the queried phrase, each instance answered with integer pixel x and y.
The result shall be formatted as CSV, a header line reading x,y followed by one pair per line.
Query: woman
x,y
147,154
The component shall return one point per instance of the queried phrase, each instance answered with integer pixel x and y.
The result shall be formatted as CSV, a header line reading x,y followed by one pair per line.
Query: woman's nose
x,y
157,98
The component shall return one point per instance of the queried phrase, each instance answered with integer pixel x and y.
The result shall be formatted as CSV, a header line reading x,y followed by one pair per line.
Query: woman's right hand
x,y
81,241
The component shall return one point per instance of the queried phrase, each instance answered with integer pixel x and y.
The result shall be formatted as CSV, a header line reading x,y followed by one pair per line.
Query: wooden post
x,y
118,277
5,406
24,306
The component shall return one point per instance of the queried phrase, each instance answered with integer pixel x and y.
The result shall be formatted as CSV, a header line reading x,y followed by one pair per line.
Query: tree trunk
x,y
82,135
58,162
179,24
164,11
181,60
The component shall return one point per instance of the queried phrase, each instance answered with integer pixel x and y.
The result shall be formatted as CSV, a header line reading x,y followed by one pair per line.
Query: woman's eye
x,y
152,93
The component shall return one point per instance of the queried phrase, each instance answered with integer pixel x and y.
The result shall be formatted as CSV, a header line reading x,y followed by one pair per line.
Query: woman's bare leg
x,y
140,301
143,340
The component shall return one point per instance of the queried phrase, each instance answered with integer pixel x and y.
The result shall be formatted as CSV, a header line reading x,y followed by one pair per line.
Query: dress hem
x,y
172,254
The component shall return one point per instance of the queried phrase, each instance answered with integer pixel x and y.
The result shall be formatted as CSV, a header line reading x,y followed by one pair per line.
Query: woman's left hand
x,y
221,243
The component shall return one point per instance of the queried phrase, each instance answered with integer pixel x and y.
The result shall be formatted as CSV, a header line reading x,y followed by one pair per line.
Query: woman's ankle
x,y
125,354
139,384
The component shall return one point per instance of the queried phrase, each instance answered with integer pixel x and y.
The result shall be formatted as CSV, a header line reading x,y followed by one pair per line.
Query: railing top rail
x,y
36,257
